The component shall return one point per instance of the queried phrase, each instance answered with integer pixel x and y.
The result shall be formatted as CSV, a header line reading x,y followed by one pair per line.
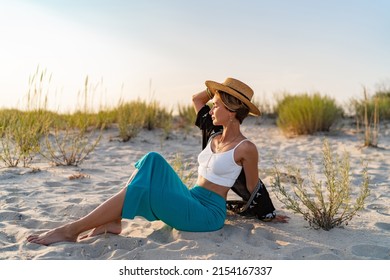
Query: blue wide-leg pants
x,y
157,193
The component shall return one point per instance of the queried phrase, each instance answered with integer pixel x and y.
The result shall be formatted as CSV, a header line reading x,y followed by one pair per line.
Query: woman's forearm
x,y
200,99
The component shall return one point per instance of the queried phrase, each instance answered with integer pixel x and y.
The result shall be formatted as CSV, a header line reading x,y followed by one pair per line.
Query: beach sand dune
x,y
35,200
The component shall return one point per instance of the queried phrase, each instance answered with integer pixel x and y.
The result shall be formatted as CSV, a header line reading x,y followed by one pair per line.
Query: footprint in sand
x,y
180,245
384,226
74,200
371,251
306,252
51,184
109,183
6,240
6,215
380,208
13,199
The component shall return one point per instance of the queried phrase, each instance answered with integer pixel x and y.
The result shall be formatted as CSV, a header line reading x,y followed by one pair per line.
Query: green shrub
x,y
70,138
104,118
130,117
306,114
322,205
69,146
136,115
187,116
20,136
368,112
368,103
157,116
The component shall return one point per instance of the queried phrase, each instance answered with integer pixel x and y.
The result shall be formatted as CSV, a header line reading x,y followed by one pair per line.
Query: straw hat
x,y
237,89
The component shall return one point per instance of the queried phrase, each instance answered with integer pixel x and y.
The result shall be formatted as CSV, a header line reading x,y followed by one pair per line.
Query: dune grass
x,y
68,138
369,112
133,116
379,102
306,114
20,136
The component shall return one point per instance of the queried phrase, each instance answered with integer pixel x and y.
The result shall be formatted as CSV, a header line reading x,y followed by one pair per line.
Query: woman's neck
x,y
230,132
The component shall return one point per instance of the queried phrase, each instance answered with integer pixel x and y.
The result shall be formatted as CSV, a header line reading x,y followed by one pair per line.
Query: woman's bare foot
x,y
113,227
53,236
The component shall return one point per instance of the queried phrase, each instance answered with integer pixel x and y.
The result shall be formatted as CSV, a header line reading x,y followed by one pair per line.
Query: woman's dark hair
x,y
234,105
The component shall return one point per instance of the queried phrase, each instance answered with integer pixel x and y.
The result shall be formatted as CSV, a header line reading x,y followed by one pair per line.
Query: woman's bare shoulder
x,y
247,144
247,148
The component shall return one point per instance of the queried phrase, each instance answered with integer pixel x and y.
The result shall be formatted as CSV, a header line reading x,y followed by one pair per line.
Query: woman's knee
x,y
151,159
154,156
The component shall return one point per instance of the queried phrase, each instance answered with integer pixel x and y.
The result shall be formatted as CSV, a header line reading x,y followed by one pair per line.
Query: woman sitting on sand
x,y
156,192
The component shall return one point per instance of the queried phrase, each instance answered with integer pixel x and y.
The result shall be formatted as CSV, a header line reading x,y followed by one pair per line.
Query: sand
x,y
36,199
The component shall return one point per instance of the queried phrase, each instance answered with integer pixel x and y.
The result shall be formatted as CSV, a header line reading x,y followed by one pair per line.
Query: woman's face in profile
x,y
219,113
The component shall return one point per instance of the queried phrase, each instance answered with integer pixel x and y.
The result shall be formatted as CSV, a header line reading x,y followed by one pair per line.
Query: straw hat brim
x,y
214,86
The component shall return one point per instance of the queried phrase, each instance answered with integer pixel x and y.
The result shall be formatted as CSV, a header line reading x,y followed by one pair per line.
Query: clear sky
x,y
166,49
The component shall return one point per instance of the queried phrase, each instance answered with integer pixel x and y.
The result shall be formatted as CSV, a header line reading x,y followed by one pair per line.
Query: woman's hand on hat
x,y
209,93
200,99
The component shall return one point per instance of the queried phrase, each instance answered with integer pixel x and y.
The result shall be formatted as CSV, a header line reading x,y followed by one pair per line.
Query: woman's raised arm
x,y
200,99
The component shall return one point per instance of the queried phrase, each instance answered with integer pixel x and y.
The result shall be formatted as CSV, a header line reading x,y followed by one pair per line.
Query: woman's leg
x,y
105,218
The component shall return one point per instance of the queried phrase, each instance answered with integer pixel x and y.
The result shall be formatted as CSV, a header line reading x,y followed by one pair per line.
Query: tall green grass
x,y
369,111
134,116
130,118
380,101
186,116
68,138
20,136
306,114
21,131
25,134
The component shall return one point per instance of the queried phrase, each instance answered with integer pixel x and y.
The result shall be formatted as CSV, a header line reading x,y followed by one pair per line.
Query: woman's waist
x,y
218,189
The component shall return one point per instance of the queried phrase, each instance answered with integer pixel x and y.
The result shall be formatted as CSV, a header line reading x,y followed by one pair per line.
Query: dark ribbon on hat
x,y
246,97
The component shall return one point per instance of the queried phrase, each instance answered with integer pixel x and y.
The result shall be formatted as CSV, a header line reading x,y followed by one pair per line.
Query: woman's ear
x,y
232,116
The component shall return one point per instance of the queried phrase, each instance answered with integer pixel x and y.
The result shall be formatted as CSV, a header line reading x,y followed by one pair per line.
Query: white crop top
x,y
219,168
